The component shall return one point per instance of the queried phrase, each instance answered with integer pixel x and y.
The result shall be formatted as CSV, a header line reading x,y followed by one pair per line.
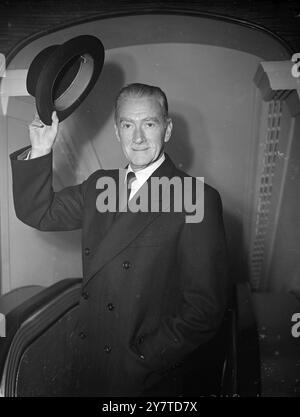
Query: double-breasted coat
x,y
154,286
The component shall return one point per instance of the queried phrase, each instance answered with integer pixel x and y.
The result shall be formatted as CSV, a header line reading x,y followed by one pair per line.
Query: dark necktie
x,y
131,177
125,192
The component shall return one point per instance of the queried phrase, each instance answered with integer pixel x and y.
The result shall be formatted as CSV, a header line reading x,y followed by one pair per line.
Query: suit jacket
x,y
154,287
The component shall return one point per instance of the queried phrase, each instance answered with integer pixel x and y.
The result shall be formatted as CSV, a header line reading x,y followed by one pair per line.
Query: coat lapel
x,y
123,228
103,221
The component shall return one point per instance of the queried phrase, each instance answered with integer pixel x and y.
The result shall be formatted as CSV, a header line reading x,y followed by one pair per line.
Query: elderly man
x,y
154,285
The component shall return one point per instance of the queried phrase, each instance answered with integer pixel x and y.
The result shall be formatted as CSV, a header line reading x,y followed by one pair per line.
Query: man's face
x,y
142,130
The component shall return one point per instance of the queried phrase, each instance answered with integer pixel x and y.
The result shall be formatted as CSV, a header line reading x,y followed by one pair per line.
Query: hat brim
x,y
91,51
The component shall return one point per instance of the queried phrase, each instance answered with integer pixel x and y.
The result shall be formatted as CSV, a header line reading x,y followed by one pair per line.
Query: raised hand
x,y
42,137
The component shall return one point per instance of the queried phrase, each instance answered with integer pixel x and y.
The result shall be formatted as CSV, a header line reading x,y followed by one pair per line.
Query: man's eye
x,y
150,124
125,125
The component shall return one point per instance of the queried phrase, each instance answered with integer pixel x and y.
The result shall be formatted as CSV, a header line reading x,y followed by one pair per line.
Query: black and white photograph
x,y
149,201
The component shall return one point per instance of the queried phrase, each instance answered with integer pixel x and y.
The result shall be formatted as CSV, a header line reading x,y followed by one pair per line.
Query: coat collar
x,y
124,228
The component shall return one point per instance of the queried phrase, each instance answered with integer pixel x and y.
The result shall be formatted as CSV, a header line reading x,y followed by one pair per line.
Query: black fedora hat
x,y
61,76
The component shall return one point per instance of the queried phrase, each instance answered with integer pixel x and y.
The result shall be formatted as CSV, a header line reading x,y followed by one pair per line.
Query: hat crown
x,y
36,66
61,76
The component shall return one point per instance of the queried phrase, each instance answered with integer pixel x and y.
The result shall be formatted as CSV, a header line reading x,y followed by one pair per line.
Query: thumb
x,y
54,117
55,120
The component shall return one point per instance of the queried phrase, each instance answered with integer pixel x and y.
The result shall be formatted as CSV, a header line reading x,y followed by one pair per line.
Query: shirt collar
x,y
145,173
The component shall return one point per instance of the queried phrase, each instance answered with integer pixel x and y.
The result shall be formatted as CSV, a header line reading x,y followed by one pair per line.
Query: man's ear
x,y
168,130
117,132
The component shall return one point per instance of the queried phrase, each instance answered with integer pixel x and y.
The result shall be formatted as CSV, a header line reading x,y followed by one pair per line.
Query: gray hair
x,y
142,90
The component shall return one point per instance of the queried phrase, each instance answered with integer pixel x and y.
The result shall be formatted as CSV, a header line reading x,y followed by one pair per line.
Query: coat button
x,y
87,251
110,306
140,340
82,335
107,348
176,365
126,264
85,295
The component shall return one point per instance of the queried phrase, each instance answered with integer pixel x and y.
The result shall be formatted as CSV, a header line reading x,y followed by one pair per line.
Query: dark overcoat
x,y
154,286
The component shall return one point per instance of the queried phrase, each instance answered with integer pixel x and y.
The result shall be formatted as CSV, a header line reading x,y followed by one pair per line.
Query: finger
x,y
36,117
36,124
37,121
55,119
54,116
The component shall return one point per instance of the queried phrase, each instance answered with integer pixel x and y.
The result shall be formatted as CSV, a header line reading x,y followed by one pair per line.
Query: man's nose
x,y
138,136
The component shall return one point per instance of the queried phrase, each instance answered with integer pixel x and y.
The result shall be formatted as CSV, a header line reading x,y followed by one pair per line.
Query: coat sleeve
x,y
36,204
202,260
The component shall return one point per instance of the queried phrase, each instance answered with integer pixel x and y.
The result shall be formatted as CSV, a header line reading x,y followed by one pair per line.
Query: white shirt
x,y
142,175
